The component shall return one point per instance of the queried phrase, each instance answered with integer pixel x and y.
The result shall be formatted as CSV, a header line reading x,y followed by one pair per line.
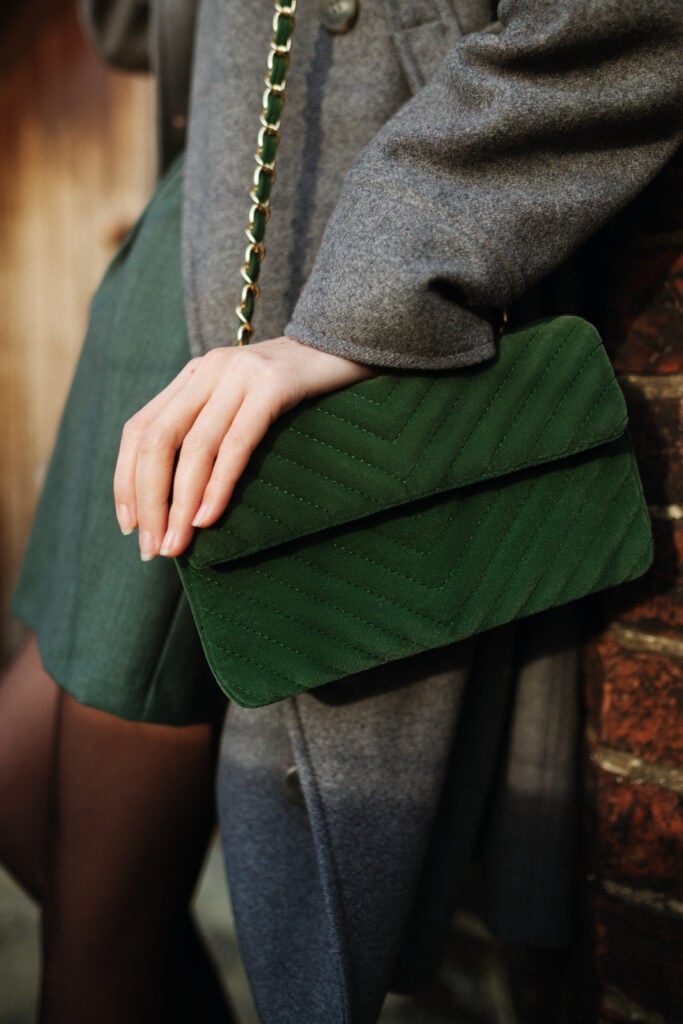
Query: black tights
x,y
106,823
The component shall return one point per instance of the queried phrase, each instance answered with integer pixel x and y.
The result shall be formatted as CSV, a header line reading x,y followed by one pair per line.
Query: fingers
x,y
207,471
196,437
126,464
200,459
193,423
182,444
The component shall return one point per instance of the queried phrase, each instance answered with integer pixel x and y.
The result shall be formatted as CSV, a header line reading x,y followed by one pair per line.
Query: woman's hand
x,y
214,413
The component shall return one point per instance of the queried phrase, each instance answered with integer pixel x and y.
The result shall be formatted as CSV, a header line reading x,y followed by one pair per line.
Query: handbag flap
x,y
550,393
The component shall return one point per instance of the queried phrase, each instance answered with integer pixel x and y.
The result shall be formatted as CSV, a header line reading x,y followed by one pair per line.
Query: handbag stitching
x,y
374,433
251,628
404,640
325,476
596,579
260,603
610,384
328,574
615,491
409,578
559,494
242,688
422,550
331,604
446,579
464,482
533,391
493,398
430,440
360,396
239,689
500,471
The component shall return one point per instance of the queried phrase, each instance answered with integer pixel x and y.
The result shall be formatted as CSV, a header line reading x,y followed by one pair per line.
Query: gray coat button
x,y
338,15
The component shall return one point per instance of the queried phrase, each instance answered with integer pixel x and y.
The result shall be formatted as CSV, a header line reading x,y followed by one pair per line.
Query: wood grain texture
x,y
76,166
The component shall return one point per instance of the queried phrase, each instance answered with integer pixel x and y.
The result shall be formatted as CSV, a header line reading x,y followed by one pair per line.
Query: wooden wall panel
x,y
76,166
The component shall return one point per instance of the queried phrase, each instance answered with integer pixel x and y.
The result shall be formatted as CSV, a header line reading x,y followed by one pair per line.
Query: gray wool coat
x,y
437,161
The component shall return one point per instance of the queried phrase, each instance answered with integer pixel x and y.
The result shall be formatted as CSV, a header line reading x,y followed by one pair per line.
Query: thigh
x,y
131,816
28,707
133,807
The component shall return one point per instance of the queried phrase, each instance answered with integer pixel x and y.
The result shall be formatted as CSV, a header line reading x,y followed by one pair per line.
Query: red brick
x,y
657,431
637,834
640,951
645,319
654,603
635,700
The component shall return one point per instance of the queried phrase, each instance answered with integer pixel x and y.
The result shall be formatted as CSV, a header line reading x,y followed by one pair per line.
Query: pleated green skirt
x,y
115,632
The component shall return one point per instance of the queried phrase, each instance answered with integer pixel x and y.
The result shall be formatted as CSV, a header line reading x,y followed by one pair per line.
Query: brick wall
x,y
633,663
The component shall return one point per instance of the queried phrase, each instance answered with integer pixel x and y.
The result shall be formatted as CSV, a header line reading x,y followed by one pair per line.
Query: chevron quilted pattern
x,y
412,511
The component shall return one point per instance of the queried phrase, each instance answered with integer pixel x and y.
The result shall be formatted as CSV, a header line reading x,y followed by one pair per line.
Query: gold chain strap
x,y
264,175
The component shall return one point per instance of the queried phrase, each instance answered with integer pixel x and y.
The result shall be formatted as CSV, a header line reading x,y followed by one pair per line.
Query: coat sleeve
x,y
522,144
119,30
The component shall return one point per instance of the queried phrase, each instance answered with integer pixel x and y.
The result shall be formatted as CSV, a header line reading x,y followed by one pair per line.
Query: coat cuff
x,y
392,311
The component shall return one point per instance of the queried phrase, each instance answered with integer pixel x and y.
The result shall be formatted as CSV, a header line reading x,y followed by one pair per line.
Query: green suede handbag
x,y
413,510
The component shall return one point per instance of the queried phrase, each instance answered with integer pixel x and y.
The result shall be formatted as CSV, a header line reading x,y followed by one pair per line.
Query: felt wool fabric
x,y
408,221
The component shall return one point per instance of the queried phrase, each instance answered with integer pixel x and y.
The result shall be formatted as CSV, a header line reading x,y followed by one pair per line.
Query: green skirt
x,y
115,632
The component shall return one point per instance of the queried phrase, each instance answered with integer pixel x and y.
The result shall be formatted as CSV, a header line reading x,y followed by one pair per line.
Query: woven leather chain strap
x,y
264,175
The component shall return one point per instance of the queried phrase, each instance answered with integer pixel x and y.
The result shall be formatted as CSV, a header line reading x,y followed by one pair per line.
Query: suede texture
x,y
406,513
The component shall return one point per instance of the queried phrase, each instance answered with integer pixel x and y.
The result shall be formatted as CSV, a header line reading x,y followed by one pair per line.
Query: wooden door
x,y
76,166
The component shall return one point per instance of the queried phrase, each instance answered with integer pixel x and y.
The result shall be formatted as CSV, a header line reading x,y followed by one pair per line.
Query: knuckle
x,y
218,491
154,440
214,357
131,429
234,444
151,507
181,511
265,370
195,446
270,369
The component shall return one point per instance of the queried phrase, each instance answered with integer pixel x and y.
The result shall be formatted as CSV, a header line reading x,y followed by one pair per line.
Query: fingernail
x,y
148,549
202,515
168,544
125,518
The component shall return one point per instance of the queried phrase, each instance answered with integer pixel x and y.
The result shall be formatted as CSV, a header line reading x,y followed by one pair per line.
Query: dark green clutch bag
x,y
411,511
